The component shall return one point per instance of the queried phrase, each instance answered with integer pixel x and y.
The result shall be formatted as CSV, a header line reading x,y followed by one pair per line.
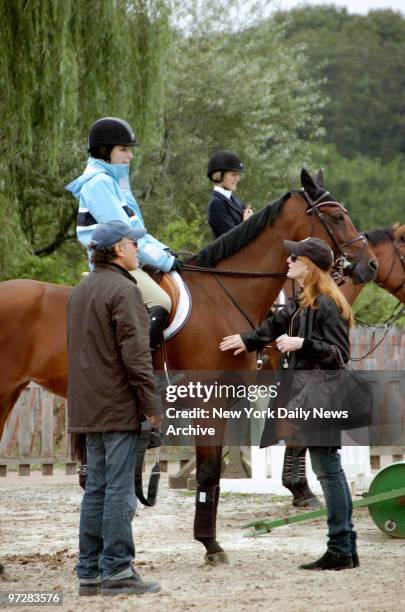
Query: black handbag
x,y
353,393
344,392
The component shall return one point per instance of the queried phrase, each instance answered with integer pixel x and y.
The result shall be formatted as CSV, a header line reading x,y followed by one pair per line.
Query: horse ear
x,y
319,179
308,182
399,232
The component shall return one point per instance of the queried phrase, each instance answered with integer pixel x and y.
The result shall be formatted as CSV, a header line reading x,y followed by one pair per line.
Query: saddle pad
x,y
183,308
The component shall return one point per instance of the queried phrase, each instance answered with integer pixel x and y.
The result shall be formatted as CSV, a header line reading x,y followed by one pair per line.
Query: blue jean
x,y
106,544
328,469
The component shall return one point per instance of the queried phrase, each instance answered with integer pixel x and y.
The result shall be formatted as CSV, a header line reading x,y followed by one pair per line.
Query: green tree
x,y
360,61
372,191
63,64
245,91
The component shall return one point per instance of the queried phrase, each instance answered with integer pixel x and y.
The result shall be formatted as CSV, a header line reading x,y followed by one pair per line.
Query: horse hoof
x,y
310,502
217,558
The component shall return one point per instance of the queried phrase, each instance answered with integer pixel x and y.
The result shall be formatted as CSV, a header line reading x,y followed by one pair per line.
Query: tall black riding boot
x,y
206,504
294,478
157,319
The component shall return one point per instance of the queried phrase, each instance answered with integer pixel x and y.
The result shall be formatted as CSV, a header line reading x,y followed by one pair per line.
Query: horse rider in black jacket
x,y
225,210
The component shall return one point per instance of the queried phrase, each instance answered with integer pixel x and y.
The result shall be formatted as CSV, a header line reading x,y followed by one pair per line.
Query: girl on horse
x,y
104,194
225,210
307,332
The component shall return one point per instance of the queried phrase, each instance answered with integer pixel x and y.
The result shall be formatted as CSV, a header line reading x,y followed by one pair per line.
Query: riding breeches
x,y
152,294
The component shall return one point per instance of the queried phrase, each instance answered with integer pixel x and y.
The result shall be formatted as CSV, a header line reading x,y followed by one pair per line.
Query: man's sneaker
x,y
133,585
89,586
329,561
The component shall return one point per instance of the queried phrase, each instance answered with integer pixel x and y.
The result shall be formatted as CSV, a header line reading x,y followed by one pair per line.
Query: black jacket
x,y
321,327
110,374
224,214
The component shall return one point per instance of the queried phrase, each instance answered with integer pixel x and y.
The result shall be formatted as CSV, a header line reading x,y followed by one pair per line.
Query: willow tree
x,y
63,64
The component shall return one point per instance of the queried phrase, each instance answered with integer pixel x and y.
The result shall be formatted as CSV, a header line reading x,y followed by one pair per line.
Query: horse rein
x,y
398,310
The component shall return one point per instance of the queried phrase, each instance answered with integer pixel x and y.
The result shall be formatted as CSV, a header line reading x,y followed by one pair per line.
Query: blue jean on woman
x,y
327,466
106,544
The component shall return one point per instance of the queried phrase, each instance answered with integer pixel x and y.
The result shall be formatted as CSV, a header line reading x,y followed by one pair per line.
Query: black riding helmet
x,y
111,131
224,161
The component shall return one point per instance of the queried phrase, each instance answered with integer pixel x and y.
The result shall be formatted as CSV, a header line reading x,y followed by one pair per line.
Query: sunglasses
x,y
134,242
293,257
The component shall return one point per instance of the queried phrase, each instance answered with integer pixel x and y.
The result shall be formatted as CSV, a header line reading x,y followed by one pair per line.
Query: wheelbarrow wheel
x,y
389,515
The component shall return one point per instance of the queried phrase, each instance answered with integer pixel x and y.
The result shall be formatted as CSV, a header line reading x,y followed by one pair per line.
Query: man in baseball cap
x,y
111,390
316,249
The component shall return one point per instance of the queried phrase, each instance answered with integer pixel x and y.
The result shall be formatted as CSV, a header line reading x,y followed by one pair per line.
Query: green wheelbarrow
x,y
385,501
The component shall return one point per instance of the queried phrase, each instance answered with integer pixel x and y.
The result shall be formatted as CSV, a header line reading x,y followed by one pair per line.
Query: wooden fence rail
x,y
35,433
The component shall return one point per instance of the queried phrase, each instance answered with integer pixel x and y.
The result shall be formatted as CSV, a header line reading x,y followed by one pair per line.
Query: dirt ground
x,y
38,544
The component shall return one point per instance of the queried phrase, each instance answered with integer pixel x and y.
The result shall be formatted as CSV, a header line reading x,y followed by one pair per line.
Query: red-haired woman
x,y
307,331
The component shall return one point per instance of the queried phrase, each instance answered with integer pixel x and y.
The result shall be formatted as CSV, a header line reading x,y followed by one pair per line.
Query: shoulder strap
x,y
339,358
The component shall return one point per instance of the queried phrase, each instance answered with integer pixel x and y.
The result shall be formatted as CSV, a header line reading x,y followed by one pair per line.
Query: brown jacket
x,y
110,373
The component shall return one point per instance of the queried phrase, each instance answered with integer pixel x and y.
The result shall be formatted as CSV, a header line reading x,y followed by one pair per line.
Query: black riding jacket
x,y
224,214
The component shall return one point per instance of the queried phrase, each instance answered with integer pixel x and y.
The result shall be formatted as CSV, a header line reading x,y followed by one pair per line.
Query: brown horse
x,y
33,328
389,247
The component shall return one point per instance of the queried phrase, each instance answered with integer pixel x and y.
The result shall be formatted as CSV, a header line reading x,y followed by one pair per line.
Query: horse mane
x,y
239,236
379,235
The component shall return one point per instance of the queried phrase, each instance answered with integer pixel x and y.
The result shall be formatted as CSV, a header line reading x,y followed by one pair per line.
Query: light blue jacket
x,y
104,194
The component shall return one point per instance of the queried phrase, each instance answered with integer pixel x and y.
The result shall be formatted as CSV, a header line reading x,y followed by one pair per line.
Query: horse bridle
x,y
342,265
397,253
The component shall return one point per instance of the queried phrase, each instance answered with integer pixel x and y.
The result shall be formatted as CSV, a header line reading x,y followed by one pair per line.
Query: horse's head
x,y
330,221
389,246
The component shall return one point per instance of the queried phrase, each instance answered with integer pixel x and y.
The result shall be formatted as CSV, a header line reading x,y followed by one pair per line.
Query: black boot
x,y
157,319
329,561
206,505
294,478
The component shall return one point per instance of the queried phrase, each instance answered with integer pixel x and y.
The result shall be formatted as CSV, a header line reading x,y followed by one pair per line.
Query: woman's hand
x,y
247,212
286,344
233,342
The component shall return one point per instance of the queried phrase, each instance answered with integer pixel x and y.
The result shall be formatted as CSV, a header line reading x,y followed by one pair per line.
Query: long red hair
x,y
318,282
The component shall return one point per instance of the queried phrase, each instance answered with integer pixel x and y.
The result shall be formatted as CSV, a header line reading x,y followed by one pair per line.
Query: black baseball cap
x,y
316,249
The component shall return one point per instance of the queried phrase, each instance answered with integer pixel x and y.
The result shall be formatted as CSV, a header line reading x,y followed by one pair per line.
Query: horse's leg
x,y
6,406
7,403
209,459
294,478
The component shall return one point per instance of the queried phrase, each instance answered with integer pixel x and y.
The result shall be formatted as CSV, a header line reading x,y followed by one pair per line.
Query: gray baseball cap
x,y
316,249
109,233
